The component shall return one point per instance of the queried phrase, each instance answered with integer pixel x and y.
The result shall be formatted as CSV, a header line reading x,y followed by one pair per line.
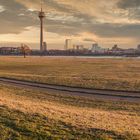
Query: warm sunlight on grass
x,y
121,74
28,114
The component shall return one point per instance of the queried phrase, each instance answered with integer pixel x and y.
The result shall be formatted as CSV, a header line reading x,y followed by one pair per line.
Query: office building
x,y
68,44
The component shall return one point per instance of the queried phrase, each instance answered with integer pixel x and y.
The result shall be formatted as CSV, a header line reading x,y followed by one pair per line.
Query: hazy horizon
x,y
59,46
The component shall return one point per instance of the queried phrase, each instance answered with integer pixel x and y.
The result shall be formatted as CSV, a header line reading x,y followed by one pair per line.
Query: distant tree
x,y
25,50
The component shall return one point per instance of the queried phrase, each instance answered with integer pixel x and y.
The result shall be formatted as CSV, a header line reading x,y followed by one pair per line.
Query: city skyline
x,y
117,22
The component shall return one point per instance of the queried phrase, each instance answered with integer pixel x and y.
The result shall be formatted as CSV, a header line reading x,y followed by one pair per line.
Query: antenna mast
x,y
41,5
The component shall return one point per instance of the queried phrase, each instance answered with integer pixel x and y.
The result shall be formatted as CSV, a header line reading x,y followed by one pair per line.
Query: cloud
x,y
103,19
98,17
89,40
15,18
132,7
125,4
2,8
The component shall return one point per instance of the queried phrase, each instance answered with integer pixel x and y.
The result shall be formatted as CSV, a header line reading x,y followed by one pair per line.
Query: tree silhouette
x,y
25,50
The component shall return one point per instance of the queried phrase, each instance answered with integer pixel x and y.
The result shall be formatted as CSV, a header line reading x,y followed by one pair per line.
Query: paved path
x,y
97,93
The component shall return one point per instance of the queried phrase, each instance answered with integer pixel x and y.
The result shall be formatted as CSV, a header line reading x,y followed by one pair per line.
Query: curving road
x,y
131,96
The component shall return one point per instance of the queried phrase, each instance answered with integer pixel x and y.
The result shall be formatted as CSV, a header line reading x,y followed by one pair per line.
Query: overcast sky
x,y
107,22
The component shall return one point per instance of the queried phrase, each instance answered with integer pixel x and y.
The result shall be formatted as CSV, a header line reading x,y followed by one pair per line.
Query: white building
x,y
97,49
68,44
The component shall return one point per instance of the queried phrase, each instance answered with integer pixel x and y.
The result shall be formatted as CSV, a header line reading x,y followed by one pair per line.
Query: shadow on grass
x,y
16,125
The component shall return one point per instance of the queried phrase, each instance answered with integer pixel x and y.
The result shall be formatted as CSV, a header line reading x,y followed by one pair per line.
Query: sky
x,y
106,22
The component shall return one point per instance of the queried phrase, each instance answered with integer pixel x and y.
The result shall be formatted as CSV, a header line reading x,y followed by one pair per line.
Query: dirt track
x,y
97,93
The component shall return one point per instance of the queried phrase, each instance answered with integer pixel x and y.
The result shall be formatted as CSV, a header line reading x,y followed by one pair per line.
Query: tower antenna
x,y
41,5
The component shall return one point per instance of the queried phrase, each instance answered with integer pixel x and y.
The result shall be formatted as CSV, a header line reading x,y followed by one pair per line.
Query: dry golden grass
x,y
121,74
82,117
81,112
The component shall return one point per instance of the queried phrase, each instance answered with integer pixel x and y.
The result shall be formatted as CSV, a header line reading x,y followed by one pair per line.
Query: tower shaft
x,y
41,34
41,17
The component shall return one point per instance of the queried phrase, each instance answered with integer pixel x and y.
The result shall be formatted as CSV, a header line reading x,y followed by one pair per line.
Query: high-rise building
x,y
44,46
79,47
138,47
95,48
41,17
68,44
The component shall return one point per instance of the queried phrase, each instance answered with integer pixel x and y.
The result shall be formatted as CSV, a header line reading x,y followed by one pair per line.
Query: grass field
x,y
29,114
39,115
120,74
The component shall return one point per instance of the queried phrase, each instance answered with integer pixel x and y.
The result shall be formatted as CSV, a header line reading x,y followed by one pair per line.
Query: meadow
x,y
40,115
118,74
49,115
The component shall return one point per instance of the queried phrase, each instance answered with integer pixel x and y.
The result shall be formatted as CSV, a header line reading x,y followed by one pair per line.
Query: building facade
x,y
68,44
138,47
97,49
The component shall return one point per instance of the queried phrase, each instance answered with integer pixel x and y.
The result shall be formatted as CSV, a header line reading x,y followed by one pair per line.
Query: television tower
x,y
41,17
